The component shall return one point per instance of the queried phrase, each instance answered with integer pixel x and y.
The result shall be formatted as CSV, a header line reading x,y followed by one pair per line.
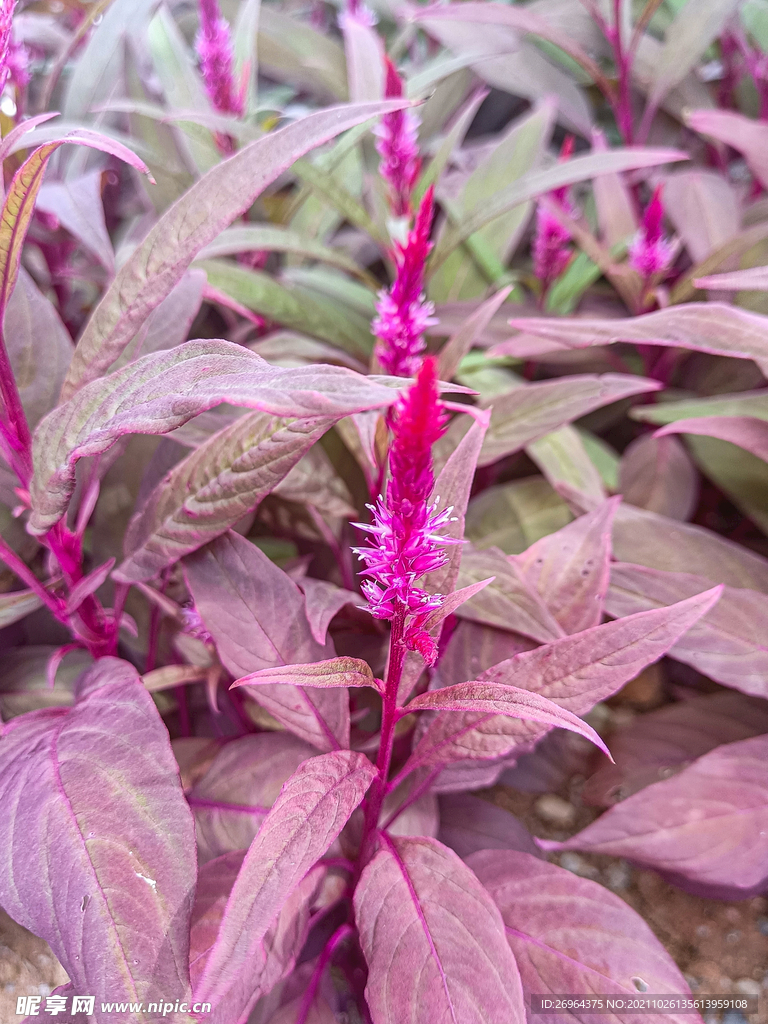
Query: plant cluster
x,y
381,392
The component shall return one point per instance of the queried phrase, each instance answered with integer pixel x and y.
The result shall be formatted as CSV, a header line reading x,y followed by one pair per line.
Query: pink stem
x,y
309,996
25,574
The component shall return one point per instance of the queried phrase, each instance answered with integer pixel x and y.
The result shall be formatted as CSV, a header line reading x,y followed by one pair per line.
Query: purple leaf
x,y
402,815
194,220
77,205
319,1012
574,672
748,136
39,347
114,901
701,327
88,585
753,279
571,935
728,644
662,543
532,410
313,807
703,829
469,824
747,432
657,474
213,487
502,699
570,568
434,940
162,390
472,649
169,324
255,613
277,952
333,673
508,602
460,343
656,745
233,797
323,601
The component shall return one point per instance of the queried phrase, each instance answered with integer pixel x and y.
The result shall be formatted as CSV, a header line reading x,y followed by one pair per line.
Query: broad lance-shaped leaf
x,y
213,487
255,613
23,191
532,410
163,390
746,135
195,220
728,645
570,933
539,182
310,812
503,699
656,473
333,673
433,939
747,432
574,672
508,602
114,893
658,744
469,823
704,829
277,952
662,543
713,327
235,794
570,568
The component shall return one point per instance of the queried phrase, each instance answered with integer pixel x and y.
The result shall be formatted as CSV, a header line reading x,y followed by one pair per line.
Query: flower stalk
x,y
405,544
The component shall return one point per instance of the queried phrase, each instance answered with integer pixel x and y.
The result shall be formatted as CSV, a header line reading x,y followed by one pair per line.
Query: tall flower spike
x,y
398,147
6,39
551,252
403,313
405,541
214,48
650,253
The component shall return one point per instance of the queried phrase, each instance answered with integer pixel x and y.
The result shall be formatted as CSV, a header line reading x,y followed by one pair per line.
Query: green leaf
x,y
743,476
514,516
290,306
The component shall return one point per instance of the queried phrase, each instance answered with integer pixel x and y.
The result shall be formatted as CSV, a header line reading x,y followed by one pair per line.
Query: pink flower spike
x,y
6,39
650,253
551,252
403,313
405,535
214,48
398,147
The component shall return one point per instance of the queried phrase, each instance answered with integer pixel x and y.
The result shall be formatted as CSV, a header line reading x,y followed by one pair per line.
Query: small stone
x,y
577,865
734,1017
554,810
693,983
762,925
703,931
747,987
618,875
733,937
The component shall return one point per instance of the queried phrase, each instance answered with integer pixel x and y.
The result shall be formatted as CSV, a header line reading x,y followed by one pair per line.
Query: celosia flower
x,y
358,12
6,40
398,147
551,252
405,541
214,48
403,313
650,253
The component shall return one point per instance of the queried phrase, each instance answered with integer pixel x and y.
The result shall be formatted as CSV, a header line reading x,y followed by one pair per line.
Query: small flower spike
x,y
650,253
7,48
405,535
551,251
398,148
403,313
214,48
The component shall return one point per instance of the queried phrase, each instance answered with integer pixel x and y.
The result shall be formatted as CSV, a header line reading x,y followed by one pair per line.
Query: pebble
x,y
734,1017
618,875
577,865
555,810
747,987
762,925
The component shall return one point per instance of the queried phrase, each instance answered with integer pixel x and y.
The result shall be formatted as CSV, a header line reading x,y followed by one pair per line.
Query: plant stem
x,y
25,574
389,718
309,996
